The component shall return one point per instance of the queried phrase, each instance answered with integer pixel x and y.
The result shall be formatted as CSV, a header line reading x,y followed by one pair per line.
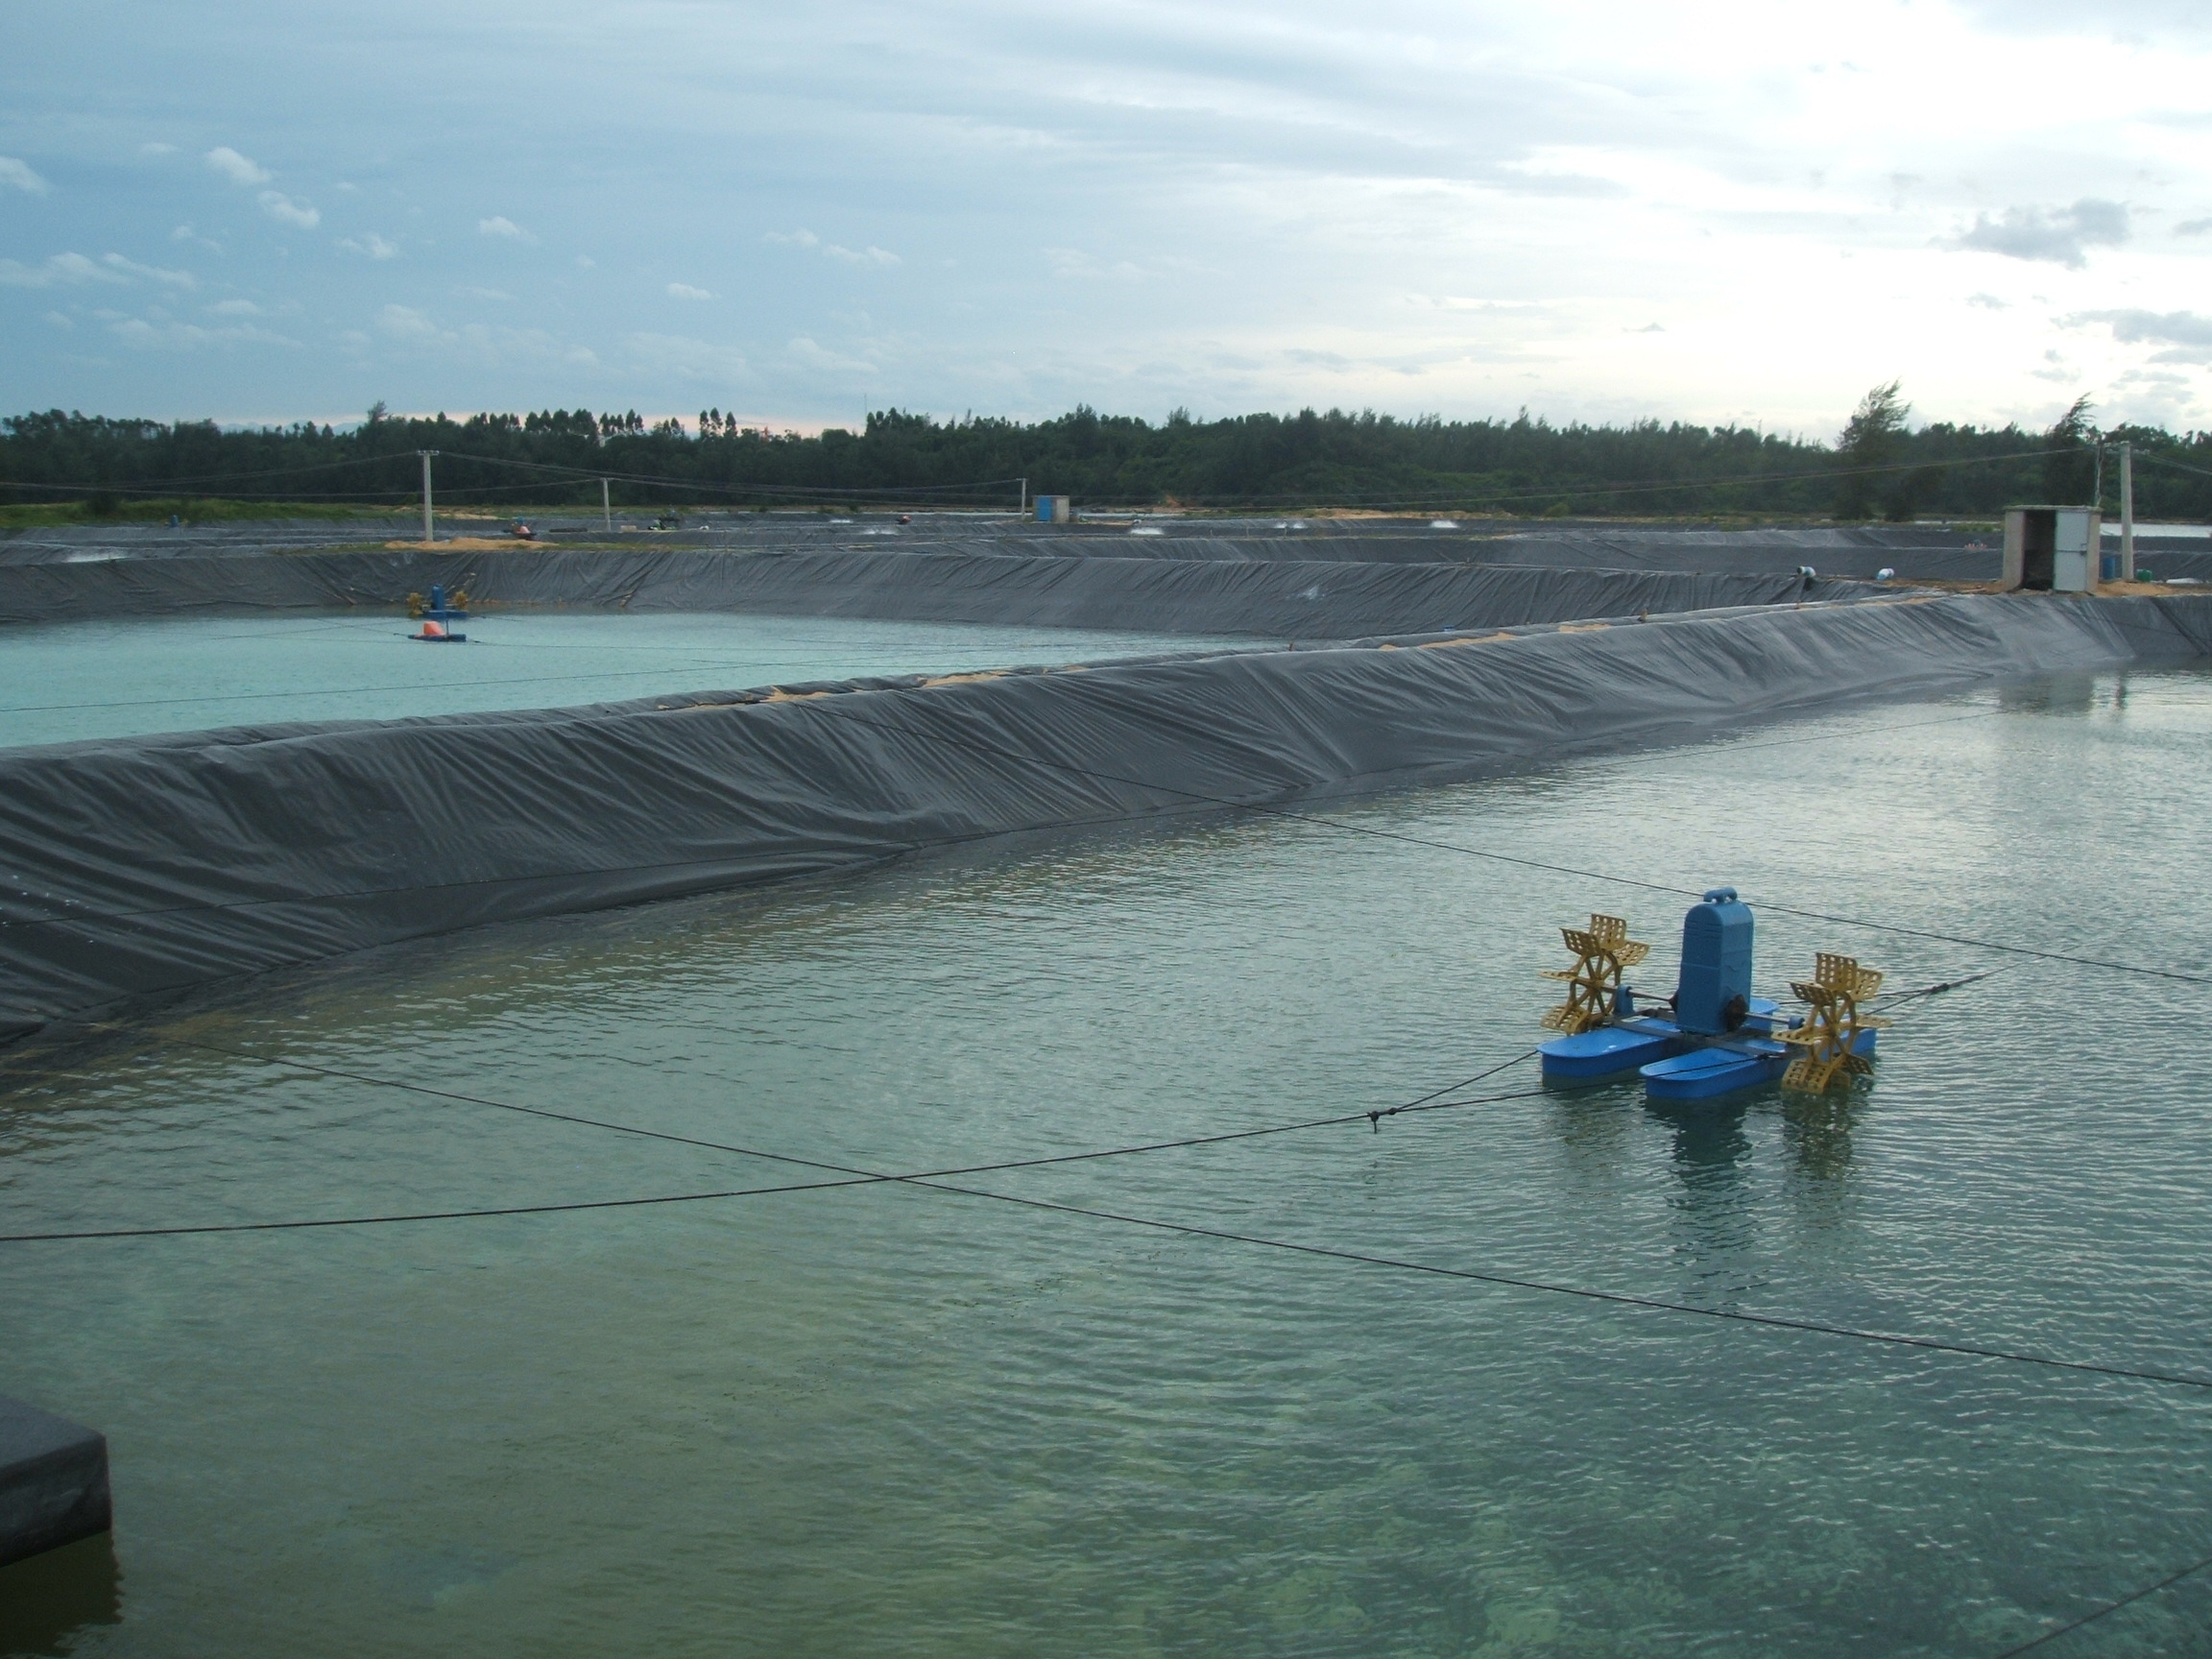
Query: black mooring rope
x,y
2165,1583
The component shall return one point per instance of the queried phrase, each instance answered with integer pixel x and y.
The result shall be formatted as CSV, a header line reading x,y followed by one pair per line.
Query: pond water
x,y
64,682
898,1420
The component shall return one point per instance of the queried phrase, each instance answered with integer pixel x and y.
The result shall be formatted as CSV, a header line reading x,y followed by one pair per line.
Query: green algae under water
x,y
889,1420
60,683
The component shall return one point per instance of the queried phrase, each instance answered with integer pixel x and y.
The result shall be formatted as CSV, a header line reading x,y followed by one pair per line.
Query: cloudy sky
x,y
1723,211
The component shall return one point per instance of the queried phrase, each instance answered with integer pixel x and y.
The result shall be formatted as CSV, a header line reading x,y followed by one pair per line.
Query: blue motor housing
x,y
1715,994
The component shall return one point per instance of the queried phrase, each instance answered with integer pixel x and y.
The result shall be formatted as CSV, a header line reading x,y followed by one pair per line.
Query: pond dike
x,y
142,867
1285,599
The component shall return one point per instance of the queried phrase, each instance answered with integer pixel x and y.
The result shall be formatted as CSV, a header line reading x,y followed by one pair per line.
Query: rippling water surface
x,y
64,682
900,1419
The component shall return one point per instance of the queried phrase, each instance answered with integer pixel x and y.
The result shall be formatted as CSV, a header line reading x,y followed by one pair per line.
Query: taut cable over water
x,y
940,1180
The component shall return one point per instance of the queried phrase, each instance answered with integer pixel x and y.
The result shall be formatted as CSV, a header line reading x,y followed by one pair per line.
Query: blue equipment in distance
x,y
438,619
1714,1037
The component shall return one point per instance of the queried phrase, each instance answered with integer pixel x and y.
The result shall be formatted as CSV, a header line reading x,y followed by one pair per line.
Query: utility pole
x,y
606,504
1024,511
427,536
2127,512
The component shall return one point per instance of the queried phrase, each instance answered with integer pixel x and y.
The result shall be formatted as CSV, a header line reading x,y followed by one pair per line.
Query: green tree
x,y
2069,469
1871,437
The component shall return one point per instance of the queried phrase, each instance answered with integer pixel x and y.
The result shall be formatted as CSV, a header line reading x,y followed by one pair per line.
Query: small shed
x,y
2053,550
1054,510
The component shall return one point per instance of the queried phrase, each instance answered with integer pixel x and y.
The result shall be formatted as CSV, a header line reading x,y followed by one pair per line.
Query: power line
x,y
1429,1102
398,1217
940,1181
836,491
1529,863
2178,465
160,488
833,492
1618,1298
215,477
2165,1583
1444,497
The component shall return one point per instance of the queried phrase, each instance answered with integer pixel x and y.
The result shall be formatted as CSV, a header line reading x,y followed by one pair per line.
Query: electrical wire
x,y
2178,466
1429,1102
895,493
157,487
584,476
1618,1298
940,1181
2165,1583
221,477
1286,812
1569,491
1891,1000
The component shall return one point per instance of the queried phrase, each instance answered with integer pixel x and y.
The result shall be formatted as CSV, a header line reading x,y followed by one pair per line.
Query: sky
x,y
1716,213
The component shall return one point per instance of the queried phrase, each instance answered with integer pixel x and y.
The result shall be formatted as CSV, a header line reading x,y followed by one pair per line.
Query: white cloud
x,y
1074,264
485,292
157,148
234,309
185,233
2186,335
18,175
165,334
805,352
499,224
1315,169
151,272
404,322
235,167
60,319
869,255
473,343
371,245
286,211
2061,236
692,361
59,271
2183,327
685,291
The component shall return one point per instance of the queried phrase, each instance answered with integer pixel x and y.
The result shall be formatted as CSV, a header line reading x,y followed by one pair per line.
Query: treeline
x,y
1878,466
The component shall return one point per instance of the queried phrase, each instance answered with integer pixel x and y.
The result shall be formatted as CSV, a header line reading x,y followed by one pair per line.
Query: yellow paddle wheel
x,y
1602,951
1833,1024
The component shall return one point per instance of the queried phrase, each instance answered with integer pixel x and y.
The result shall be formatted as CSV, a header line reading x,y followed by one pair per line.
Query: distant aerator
x,y
438,618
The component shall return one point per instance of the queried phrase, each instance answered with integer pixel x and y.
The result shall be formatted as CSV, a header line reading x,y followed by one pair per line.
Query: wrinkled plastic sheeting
x,y
1306,600
132,867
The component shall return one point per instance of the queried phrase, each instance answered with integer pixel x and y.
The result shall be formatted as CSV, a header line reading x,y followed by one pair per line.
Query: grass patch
x,y
49,514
